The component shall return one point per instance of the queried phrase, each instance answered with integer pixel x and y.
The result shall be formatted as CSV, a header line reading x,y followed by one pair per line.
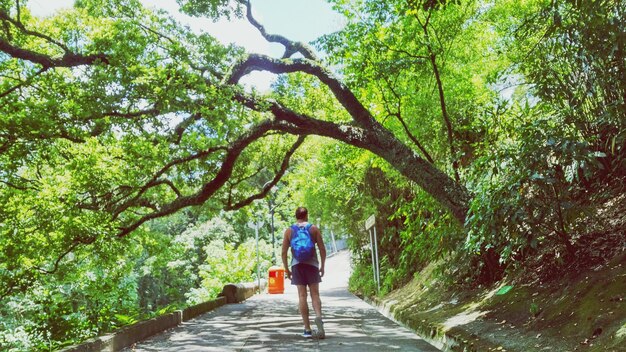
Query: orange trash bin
x,y
276,282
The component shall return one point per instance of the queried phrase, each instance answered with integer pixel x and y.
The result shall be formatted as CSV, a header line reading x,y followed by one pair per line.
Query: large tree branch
x,y
273,182
18,23
291,47
209,188
156,178
379,141
67,60
256,62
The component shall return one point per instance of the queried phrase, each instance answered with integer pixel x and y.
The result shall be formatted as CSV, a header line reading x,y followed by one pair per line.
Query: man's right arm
x,y
285,250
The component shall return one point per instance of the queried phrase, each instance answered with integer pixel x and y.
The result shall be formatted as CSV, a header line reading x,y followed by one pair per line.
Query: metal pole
x,y
373,257
377,266
274,257
258,274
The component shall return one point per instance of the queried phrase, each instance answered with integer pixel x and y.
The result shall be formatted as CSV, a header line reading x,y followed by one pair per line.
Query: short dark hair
x,y
302,213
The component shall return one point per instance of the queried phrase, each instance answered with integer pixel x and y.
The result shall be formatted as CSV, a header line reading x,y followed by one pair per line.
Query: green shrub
x,y
527,193
361,282
226,263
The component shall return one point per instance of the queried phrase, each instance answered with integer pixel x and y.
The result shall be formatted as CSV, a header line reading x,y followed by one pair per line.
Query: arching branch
x,y
414,139
55,266
69,58
74,245
155,179
442,98
379,141
169,183
268,186
9,140
4,16
256,62
180,128
221,177
291,47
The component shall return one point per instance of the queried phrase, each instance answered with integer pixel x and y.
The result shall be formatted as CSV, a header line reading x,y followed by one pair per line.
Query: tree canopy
x,y
483,121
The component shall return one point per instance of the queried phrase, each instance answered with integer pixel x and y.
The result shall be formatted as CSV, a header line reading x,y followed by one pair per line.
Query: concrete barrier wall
x,y
126,336
142,330
235,293
194,311
129,334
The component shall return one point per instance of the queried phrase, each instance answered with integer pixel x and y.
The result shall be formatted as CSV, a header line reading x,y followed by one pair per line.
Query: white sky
x,y
301,20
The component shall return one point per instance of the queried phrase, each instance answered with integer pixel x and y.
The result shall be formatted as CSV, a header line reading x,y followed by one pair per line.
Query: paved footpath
x,y
272,323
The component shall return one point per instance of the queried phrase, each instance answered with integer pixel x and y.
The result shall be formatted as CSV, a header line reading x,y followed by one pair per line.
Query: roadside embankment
x,y
583,312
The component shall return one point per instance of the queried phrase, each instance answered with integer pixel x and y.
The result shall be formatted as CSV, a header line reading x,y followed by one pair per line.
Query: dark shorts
x,y
305,274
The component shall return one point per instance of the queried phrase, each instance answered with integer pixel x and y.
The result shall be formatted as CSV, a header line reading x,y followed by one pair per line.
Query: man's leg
x,y
317,307
315,299
304,306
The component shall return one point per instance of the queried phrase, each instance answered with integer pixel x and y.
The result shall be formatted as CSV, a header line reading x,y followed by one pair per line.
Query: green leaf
x,y
504,289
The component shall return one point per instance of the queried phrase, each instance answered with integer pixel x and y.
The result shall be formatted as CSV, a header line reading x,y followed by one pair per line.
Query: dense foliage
x,y
176,262
521,101
476,131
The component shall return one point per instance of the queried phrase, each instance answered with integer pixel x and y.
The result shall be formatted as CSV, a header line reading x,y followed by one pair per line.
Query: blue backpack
x,y
302,245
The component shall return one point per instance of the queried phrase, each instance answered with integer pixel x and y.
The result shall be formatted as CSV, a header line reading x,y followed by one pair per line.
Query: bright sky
x,y
300,20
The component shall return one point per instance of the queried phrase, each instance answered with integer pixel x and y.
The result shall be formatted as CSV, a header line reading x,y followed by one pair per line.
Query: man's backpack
x,y
302,245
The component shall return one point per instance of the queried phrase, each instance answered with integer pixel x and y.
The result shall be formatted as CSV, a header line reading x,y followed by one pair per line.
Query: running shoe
x,y
320,334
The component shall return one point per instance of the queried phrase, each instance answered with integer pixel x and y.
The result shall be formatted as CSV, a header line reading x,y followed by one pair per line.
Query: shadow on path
x,y
272,323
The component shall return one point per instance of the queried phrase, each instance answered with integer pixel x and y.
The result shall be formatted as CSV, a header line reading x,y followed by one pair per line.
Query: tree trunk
x,y
444,189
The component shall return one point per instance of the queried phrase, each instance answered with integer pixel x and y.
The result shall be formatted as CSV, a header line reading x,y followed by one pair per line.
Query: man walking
x,y
305,269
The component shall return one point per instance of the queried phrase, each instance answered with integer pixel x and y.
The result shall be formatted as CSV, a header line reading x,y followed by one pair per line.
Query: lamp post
x,y
256,226
272,206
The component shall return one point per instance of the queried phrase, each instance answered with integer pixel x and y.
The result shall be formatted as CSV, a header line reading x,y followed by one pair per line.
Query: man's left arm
x,y
322,248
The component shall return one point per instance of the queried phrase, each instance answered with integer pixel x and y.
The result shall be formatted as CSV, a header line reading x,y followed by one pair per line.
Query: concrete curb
x,y
126,336
455,339
193,311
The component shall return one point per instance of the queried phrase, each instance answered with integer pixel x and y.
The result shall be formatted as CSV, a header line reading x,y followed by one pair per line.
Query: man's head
x,y
302,214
